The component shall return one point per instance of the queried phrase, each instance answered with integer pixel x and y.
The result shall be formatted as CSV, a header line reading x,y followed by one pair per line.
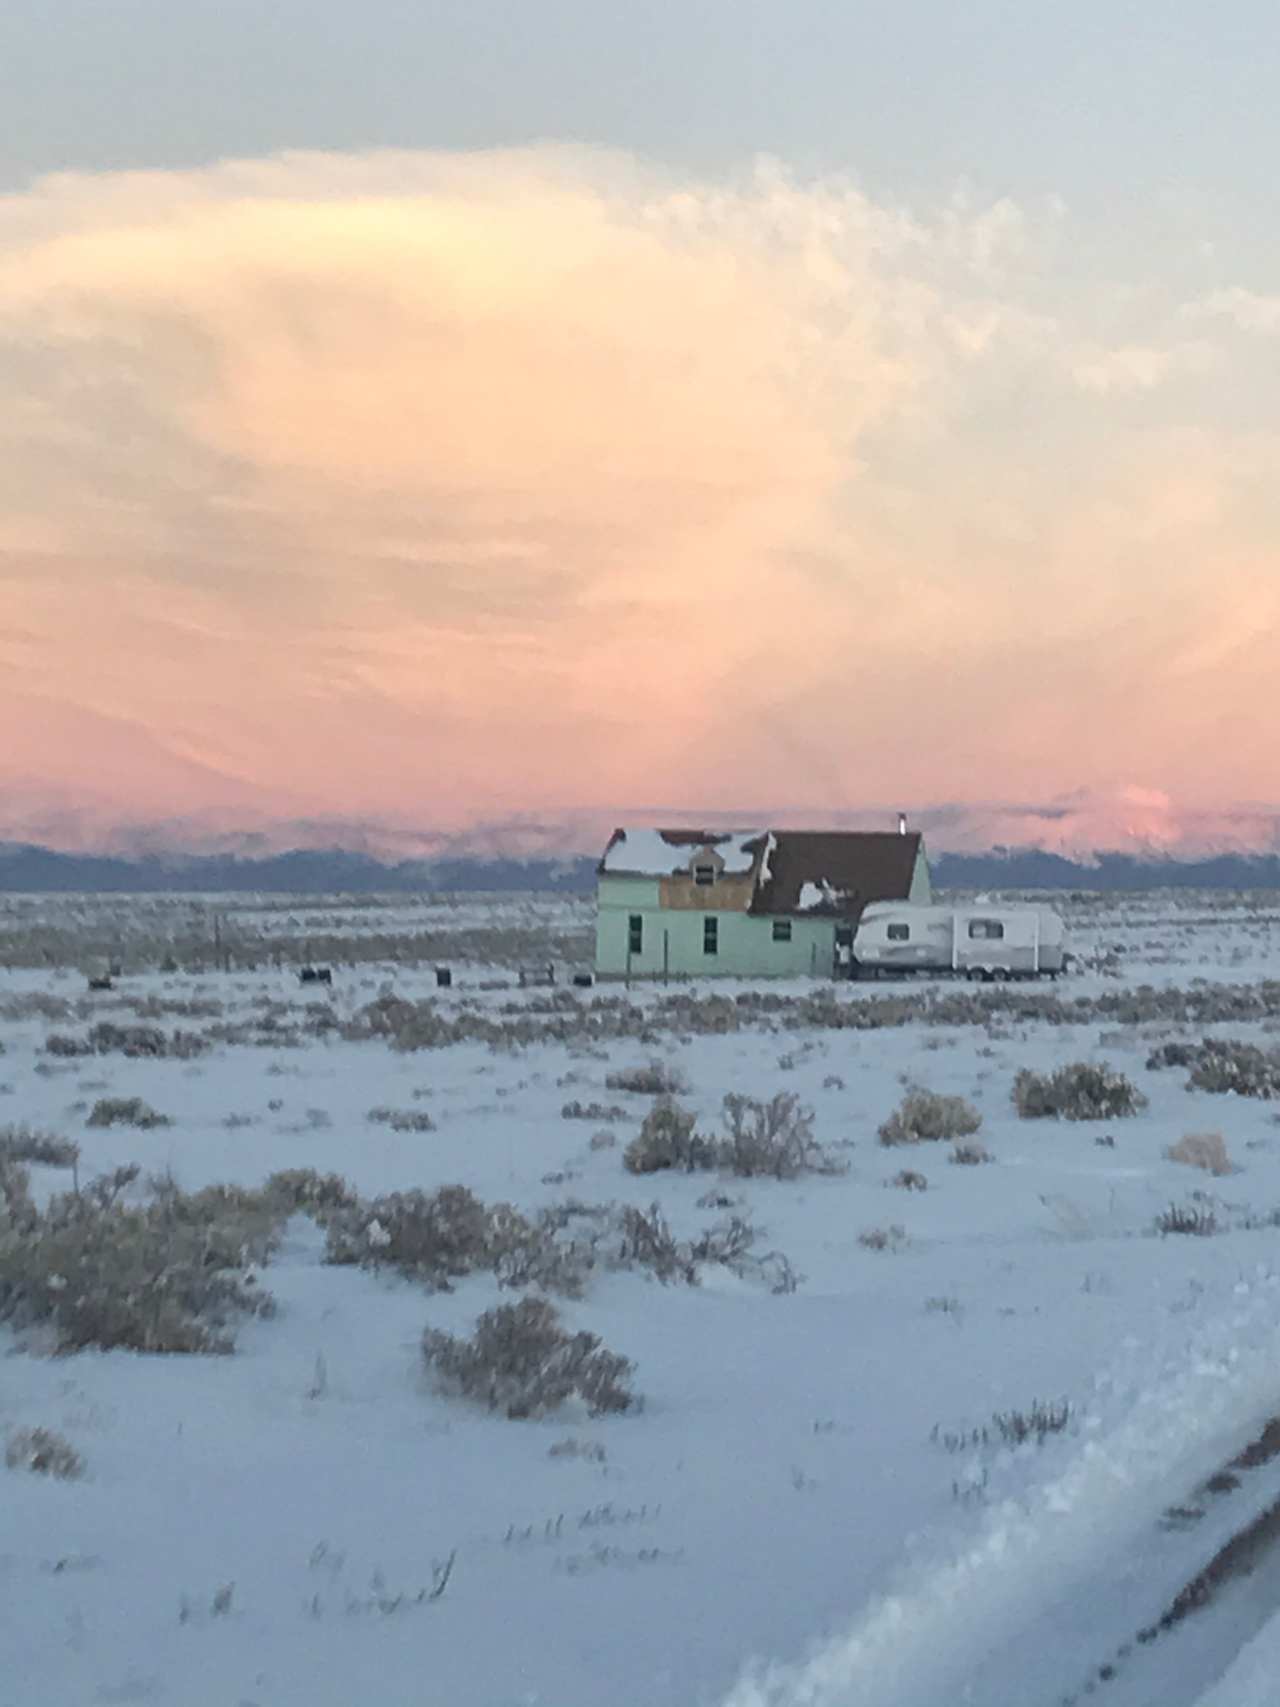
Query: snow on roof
x,y
658,853
821,896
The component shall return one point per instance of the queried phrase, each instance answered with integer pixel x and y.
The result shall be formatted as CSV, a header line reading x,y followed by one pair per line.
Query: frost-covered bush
x,y
304,1190
925,1115
46,1149
1083,1090
773,1139
169,1274
439,1237
1225,1066
908,1179
970,1155
44,1452
403,1119
1207,1150
576,1110
135,1041
667,1139
125,1111
655,1079
521,1361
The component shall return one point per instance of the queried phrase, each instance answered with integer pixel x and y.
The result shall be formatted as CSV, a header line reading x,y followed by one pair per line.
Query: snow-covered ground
x,y
814,1507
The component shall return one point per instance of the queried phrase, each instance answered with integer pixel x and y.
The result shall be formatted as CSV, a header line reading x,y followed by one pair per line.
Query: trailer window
x,y
711,936
782,930
704,876
899,933
635,934
986,930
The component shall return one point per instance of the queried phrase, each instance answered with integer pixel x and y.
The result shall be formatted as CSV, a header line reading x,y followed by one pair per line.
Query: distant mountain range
x,y
31,869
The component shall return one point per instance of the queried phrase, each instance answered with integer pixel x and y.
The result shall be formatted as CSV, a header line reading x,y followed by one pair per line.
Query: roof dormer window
x,y
704,876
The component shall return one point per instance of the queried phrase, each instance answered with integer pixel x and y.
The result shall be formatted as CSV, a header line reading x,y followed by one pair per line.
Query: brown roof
x,y
849,867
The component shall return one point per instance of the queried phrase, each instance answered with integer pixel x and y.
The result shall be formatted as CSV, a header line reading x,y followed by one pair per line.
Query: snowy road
x,y
1146,1571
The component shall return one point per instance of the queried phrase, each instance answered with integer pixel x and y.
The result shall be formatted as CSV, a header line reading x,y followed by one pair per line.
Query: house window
x,y
635,934
899,933
782,930
711,936
704,876
986,930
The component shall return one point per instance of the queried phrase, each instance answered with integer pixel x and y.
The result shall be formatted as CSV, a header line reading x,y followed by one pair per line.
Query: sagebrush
x,y
520,1360
169,1273
924,1116
1082,1090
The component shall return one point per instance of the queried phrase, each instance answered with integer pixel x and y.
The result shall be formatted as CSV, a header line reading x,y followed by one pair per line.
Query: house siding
x,y
673,938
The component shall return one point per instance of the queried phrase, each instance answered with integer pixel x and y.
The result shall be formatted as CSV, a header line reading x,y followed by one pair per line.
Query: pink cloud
x,y
441,486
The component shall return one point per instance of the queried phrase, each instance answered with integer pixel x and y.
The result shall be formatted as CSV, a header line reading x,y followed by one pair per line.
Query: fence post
x,y
666,956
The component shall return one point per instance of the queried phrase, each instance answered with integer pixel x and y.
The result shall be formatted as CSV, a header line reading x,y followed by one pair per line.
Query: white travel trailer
x,y
982,939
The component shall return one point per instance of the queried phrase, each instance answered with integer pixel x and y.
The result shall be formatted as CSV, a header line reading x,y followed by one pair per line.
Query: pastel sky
x,y
440,412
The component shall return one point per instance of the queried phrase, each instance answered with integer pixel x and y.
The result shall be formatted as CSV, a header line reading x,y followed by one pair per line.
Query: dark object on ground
x,y
444,977
316,975
103,983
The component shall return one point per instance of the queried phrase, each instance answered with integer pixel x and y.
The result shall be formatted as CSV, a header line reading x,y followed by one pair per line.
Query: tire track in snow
x,y
1239,1556
1078,1562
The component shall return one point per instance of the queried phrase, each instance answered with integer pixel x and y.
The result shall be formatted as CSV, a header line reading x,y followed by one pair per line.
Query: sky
x,y
442,414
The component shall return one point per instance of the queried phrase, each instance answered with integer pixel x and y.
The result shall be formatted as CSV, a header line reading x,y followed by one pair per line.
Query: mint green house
x,y
746,903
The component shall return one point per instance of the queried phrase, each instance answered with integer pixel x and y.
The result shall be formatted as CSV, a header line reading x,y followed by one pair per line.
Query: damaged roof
x,y
661,853
836,872
833,873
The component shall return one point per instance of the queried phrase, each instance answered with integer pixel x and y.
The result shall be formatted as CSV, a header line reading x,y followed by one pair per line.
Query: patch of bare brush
x,y
926,1116
44,1452
522,1362
1205,1150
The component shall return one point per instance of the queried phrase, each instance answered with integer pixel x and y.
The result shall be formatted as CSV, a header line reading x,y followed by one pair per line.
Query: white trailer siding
x,y
979,939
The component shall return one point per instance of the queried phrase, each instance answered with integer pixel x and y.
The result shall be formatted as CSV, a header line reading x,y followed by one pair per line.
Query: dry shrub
x,y
667,1139
521,1361
908,1179
644,1240
137,1042
403,1119
970,1155
169,1274
924,1116
1038,1423
45,1149
439,1237
125,1111
1083,1090
655,1079
771,1139
1237,1070
883,1238
1207,1150
303,1190
44,1452
1196,1219
576,1110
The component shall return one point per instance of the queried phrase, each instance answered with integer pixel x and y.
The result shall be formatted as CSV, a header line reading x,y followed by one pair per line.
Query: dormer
x,y
706,867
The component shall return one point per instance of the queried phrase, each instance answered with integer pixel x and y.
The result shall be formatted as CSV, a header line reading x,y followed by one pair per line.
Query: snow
x,y
814,897
804,1514
645,853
